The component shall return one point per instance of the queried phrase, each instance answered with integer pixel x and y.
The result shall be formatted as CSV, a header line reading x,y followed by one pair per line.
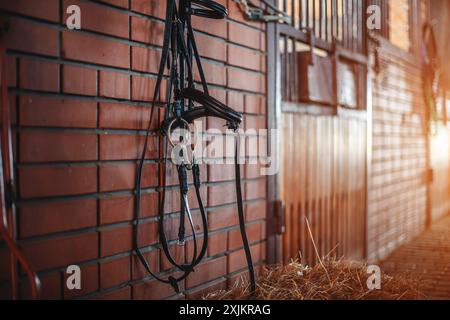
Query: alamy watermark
x,y
374,280
73,21
73,281
214,146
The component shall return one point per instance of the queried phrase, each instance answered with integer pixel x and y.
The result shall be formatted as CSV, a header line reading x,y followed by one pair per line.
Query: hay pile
x,y
329,280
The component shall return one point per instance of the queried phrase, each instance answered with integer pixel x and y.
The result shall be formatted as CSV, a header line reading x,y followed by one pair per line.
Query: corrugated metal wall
x,y
323,180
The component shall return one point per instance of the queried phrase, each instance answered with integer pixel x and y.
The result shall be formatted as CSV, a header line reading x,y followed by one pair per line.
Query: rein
x,y
184,105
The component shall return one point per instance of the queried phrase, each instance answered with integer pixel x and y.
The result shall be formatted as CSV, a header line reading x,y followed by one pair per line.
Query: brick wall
x,y
398,191
399,13
80,101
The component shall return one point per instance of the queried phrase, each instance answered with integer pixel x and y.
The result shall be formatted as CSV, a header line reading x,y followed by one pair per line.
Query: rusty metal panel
x,y
323,170
342,20
315,83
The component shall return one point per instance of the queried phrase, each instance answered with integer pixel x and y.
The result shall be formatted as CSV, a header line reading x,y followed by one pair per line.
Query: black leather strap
x,y
209,9
248,254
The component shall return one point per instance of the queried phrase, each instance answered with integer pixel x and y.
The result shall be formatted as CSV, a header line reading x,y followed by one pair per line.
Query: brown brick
x,y
49,217
246,58
148,234
119,294
89,282
124,116
79,80
221,194
143,88
235,100
38,75
50,287
139,271
173,199
255,104
145,59
4,264
245,80
178,254
119,209
215,73
217,244
114,241
114,85
56,112
11,68
88,48
255,189
154,8
222,218
126,147
57,181
114,272
44,9
147,31
254,234
118,3
220,172
237,260
50,146
255,210
24,35
115,177
211,47
207,271
244,35
153,290
61,251
116,23
213,27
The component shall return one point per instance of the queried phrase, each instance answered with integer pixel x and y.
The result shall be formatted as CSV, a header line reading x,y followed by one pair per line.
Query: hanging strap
x,y
248,254
170,7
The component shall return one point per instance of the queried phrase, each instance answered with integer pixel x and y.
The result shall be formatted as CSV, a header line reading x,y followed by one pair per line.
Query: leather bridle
x,y
184,105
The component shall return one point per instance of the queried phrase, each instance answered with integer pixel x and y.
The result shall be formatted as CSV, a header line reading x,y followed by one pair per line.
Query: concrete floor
x,y
428,257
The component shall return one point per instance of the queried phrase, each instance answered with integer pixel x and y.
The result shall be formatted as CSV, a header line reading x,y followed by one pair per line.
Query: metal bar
x,y
343,32
314,18
273,191
327,34
294,13
307,13
354,20
320,19
332,4
349,21
300,14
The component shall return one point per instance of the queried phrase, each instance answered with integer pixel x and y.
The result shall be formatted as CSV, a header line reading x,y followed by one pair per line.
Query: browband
x,y
209,9
211,107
